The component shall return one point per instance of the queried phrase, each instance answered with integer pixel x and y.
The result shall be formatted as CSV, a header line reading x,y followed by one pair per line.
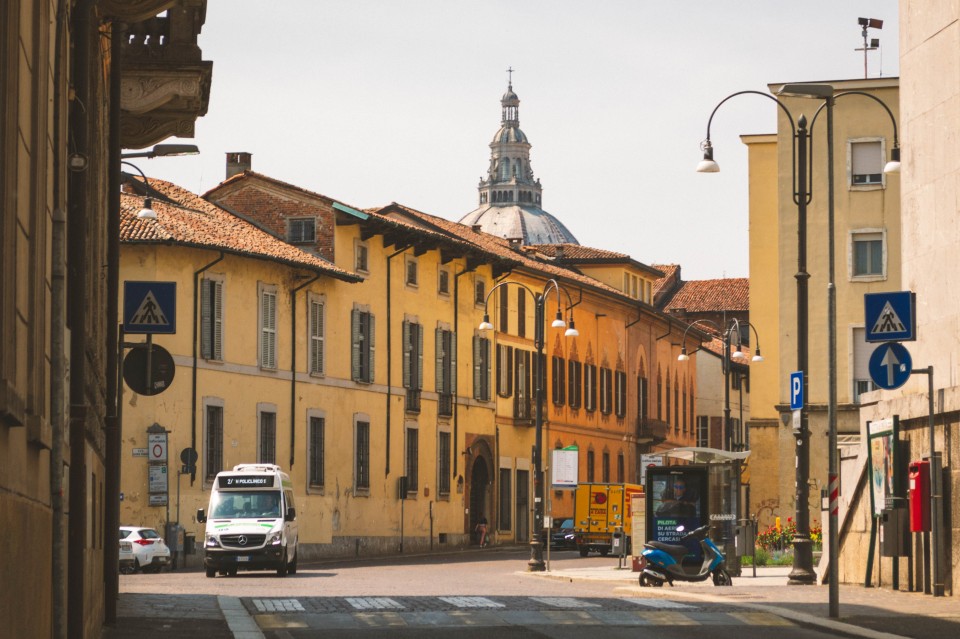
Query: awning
x,y
699,455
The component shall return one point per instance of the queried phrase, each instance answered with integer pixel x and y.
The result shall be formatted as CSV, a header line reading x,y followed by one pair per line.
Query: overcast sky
x,y
370,102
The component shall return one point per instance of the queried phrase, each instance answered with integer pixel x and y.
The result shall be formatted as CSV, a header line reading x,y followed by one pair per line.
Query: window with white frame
x,y
211,318
479,291
316,328
301,230
866,162
268,326
316,450
862,382
212,438
703,431
267,434
867,259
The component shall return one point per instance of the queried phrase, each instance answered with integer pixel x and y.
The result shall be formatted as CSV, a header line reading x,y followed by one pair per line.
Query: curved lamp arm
x,y
893,166
558,322
147,212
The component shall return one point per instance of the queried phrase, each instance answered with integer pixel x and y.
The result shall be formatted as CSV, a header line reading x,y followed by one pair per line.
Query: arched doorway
x,y
479,496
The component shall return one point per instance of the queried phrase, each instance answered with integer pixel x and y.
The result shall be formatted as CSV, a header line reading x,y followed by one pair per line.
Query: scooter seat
x,y
671,549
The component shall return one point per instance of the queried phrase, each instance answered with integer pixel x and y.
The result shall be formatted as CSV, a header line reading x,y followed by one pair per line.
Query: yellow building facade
x,y
867,260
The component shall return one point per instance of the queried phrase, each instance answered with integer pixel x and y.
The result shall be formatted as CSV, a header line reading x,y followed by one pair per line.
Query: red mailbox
x,y
919,494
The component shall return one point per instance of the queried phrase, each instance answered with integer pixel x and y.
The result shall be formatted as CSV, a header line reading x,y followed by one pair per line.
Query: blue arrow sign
x,y
890,316
796,390
150,307
890,365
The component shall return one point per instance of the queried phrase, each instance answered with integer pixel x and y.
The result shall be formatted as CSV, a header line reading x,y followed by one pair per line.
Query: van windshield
x,y
241,504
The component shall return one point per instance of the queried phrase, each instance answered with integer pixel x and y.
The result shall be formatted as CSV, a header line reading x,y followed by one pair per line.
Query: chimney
x,y
238,162
476,228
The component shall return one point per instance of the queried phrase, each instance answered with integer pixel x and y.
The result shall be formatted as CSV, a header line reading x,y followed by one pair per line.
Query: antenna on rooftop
x,y
869,44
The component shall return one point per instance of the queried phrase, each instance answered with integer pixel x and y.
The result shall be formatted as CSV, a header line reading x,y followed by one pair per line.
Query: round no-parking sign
x,y
157,447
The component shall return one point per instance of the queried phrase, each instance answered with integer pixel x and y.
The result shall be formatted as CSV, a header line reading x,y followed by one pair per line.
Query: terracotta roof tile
x,y
187,219
701,296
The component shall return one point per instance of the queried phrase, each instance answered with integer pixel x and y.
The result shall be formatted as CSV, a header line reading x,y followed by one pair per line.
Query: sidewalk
x,y
875,613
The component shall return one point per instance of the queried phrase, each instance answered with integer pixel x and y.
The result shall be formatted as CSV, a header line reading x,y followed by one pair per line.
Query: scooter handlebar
x,y
702,530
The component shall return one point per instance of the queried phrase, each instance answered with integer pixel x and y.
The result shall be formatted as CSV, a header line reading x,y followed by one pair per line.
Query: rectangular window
x,y
316,451
301,230
867,254
703,431
521,312
213,442
481,368
575,383
642,405
590,467
606,391
361,457
506,492
479,292
413,458
620,468
360,251
559,385
211,319
362,329
267,453
523,396
268,327
443,464
412,364
504,370
620,394
443,281
866,163
446,370
605,467
412,278
504,309
590,388
317,333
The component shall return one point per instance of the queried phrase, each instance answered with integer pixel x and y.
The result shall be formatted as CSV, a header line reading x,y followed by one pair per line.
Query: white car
x,y
142,549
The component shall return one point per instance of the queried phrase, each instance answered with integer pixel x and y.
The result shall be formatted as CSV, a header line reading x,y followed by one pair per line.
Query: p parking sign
x,y
796,390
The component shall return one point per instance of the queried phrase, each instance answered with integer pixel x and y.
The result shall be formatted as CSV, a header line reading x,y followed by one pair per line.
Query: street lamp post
x,y
726,363
536,563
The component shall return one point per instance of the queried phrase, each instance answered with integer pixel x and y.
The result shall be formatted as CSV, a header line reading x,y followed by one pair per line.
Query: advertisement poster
x,y
676,498
882,462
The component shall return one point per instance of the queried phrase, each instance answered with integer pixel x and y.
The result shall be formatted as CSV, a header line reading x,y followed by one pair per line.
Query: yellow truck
x,y
599,511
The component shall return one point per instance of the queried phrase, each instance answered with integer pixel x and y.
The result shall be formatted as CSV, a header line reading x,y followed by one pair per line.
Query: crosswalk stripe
x,y
472,602
278,605
760,618
374,603
659,603
565,602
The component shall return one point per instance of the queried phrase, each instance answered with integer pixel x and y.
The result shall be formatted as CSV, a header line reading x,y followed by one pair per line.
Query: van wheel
x,y
282,566
211,572
604,552
584,551
292,566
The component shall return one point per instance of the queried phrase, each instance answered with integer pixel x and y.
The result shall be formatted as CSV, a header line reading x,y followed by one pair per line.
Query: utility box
x,y
174,537
619,545
894,532
746,538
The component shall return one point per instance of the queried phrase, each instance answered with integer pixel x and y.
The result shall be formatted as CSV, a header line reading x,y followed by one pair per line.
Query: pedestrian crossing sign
x,y
890,316
150,307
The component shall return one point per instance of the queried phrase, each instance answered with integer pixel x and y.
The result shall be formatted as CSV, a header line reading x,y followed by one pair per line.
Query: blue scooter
x,y
660,562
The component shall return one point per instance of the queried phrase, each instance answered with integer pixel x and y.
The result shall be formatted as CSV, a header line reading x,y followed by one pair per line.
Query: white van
x,y
251,522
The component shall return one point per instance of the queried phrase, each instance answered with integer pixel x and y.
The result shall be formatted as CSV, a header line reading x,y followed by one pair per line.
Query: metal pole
x,y
936,538
726,390
833,523
802,573
536,548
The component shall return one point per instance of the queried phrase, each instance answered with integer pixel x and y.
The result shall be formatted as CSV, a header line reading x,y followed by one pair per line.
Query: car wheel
x,y
232,572
211,572
292,566
282,566
136,566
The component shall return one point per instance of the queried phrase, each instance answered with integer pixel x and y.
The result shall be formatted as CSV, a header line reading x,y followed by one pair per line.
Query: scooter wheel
x,y
647,580
722,578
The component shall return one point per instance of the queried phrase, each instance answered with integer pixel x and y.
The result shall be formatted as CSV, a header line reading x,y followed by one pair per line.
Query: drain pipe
x,y
196,345
456,326
293,361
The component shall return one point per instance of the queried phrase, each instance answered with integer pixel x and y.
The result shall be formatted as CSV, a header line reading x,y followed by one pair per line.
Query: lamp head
x,y
707,165
893,166
683,357
485,325
816,91
571,330
558,321
147,212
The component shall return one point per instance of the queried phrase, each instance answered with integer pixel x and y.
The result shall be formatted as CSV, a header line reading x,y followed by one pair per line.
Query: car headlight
x,y
212,542
276,538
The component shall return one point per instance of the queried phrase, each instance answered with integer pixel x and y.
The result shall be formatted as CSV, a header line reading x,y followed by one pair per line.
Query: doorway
x,y
523,505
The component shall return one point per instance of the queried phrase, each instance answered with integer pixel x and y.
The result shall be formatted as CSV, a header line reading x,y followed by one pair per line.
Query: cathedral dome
x,y
510,135
530,224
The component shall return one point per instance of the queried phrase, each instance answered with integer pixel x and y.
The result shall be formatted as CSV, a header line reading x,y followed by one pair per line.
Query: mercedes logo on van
x,y
242,540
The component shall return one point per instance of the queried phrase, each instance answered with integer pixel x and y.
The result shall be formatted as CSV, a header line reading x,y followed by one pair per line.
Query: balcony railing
x,y
445,405
413,400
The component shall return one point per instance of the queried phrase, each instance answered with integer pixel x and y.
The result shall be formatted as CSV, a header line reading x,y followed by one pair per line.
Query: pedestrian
x,y
482,530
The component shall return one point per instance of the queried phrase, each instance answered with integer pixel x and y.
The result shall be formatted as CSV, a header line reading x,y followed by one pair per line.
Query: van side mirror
x,y
201,516
291,514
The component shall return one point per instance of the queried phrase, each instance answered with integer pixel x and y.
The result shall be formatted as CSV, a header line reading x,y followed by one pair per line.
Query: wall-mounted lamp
x,y
163,151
